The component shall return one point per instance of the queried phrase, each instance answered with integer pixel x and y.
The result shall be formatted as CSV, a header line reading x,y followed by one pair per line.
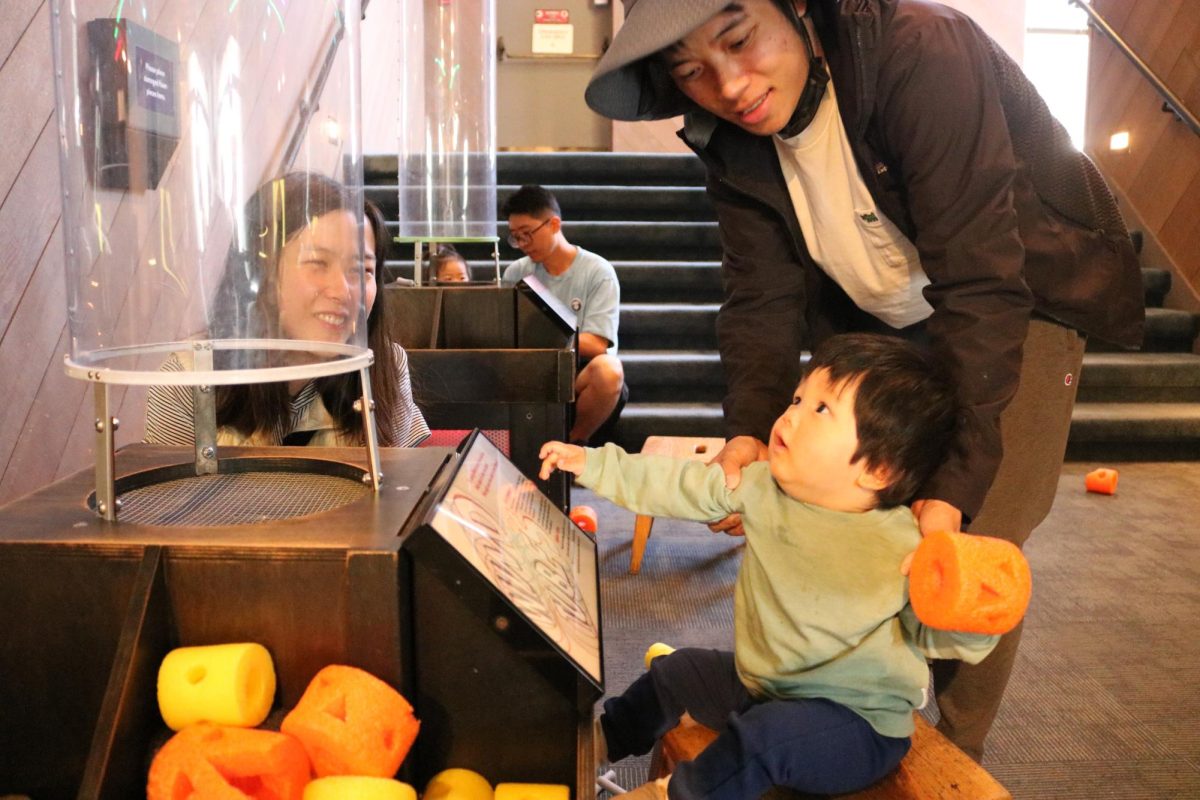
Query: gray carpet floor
x,y
1104,701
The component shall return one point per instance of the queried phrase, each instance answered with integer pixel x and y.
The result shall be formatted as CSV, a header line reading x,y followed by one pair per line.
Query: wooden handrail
x,y
1171,100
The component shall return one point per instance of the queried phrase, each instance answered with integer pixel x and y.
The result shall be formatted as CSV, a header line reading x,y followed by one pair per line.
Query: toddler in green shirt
x,y
829,661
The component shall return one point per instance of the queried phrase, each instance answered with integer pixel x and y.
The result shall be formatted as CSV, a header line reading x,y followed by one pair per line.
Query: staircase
x,y
649,216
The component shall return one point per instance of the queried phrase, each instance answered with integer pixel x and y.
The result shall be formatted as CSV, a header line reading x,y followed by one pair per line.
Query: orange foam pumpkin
x,y
585,517
225,763
975,584
1101,481
352,723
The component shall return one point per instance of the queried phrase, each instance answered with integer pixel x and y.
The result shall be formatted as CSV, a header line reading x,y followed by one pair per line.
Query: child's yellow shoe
x,y
657,649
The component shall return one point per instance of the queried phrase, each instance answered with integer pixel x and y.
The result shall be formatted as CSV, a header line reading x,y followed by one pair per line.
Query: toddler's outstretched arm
x,y
560,455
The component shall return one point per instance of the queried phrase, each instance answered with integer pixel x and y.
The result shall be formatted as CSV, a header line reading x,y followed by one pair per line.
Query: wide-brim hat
x,y
630,85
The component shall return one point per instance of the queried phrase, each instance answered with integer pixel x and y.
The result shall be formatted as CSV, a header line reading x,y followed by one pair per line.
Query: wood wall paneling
x,y
45,400
46,425
1159,177
27,216
15,18
32,313
1180,234
26,96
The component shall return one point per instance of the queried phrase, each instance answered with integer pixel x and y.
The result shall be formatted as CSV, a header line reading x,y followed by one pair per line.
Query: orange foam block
x,y
975,584
585,517
225,763
352,723
1101,481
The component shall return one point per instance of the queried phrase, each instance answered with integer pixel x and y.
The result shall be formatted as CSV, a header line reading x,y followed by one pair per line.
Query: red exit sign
x,y
550,16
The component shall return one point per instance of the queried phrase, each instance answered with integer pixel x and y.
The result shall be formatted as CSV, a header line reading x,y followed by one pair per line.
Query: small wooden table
x,y
693,448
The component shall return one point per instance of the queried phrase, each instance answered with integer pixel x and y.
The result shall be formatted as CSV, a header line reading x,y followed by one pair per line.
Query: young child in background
x,y
829,661
448,266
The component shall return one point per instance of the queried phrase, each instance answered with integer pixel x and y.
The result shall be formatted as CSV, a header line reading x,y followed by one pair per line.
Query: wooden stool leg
x,y
641,534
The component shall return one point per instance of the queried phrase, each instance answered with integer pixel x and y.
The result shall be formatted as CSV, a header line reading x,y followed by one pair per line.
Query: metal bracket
x,y
365,405
204,412
106,426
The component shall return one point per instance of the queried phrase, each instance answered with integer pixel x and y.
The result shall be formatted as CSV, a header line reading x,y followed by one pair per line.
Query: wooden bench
x,y
694,448
934,769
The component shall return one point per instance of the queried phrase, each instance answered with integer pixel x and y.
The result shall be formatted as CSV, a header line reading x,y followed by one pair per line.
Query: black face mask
x,y
814,87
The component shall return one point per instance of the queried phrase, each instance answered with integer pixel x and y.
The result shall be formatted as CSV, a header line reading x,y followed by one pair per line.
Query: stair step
x,y
640,420
628,169
1140,377
643,203
1135,431
1128,421
633,241
1168,330
595,203
619,240
668,326
666,281
662,376
641,281
1157,283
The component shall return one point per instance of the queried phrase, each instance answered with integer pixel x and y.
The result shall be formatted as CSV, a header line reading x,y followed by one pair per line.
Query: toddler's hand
x,y
560,455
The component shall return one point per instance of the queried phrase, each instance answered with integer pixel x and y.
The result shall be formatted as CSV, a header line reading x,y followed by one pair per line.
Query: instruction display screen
x,y
527,548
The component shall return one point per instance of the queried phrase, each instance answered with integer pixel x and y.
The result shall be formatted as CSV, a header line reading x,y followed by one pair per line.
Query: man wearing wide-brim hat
x,y
883,165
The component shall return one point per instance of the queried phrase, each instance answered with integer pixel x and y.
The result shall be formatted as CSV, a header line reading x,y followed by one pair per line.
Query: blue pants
x,y
814,746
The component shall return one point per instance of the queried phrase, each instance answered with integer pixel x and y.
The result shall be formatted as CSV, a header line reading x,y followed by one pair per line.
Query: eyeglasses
x,y
521,239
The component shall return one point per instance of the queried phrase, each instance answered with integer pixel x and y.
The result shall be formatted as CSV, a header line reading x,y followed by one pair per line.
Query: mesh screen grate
x,y
238,498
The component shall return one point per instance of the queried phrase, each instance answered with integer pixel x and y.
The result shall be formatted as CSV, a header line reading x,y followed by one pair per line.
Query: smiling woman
x,y
322,280
303,268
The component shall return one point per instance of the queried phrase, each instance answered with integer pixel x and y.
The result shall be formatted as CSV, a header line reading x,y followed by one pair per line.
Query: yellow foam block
x,y
458,784
226,684
532,791
355,787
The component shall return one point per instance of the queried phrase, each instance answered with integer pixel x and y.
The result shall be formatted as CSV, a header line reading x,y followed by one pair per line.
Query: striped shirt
x,y
169,415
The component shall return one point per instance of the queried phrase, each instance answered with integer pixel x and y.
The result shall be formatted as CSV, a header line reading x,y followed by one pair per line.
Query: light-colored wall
x,y
539,104
381,76
1004,22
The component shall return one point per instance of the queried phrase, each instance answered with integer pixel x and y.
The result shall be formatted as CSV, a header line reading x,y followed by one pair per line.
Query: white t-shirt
x,y
848,237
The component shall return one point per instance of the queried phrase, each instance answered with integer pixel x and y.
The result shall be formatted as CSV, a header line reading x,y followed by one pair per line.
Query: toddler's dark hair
x,y
906,408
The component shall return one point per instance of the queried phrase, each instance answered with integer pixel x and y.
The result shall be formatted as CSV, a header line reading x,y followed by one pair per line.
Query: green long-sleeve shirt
x,y
820,606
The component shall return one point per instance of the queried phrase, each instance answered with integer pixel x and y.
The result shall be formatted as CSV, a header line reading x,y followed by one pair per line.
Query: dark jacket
x,y
960,152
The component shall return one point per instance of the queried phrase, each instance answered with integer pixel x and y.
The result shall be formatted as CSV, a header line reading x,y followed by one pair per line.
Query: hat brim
x,y
630,85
